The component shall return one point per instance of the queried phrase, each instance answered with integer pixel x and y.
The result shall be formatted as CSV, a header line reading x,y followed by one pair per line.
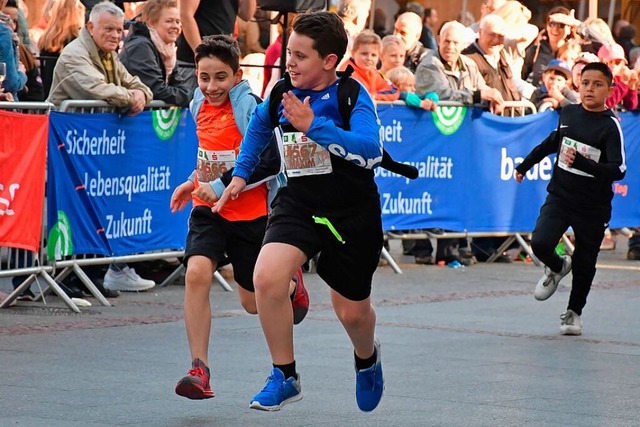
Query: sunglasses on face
x,y
557,25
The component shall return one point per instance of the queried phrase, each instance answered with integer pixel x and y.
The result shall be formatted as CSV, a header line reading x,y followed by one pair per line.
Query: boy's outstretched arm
x,y
232,191
544,149
258,135
267,168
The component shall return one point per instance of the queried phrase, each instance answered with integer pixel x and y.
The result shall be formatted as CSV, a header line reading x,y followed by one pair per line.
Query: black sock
x,y
365,363
289,370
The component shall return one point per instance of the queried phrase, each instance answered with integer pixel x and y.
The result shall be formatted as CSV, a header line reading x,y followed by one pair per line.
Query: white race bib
x,y
303,156
585,150
212,164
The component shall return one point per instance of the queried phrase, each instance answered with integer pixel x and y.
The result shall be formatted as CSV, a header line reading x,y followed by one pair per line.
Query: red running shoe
x,y
196,385
299,299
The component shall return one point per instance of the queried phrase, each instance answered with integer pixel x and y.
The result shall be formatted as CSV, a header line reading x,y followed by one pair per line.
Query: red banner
x,y
23,149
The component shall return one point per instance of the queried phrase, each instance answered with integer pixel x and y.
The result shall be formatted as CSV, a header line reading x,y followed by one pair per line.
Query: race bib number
x,y
303,156
583,149
212,164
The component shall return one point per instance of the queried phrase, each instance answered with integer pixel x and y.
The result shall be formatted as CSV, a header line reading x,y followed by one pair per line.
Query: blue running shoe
x,y
277,392
370,384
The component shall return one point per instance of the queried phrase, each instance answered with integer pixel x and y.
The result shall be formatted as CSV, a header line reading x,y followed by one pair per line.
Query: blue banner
x,y
466,158
110,179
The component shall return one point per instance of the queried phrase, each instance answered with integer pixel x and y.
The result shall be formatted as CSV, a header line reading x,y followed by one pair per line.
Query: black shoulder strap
x,y
256,97
348,91
275,97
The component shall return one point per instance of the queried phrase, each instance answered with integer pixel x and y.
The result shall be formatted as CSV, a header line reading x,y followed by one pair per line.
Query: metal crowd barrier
x,y
21,262
24,263
511,107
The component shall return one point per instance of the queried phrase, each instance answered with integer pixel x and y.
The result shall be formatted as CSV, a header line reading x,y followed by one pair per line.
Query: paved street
x,y
460,347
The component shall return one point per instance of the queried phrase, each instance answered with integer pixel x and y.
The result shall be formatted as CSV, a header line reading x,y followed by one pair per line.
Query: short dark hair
x,y
603,68
326,30
223,47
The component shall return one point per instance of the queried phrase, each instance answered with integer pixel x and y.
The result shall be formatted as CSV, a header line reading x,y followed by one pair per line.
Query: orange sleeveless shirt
x,y
219,144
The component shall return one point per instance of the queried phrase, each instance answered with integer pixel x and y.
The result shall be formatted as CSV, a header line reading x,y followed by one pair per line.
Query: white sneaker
x,y
548,283
126,280
571,323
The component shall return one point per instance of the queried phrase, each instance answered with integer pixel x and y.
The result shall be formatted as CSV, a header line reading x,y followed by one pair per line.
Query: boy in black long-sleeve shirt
x,y
590,157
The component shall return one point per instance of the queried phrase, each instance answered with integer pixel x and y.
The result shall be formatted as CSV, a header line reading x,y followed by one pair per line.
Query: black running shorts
x,y
216,238
347,266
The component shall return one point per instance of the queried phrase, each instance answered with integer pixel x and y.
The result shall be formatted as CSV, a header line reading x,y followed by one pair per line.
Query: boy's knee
x,y
540,246
198,275
353,317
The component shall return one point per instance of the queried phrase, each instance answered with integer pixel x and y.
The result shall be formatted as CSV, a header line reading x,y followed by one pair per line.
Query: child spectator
x,y
365,54
625,80
590,156
405,81
392,53
554,90
222,106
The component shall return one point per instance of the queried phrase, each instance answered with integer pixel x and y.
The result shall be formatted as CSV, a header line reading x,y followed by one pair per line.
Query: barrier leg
x,y
52,283
58,278
170,278
525,247
392,262
18,291
90,286
222,281
503,247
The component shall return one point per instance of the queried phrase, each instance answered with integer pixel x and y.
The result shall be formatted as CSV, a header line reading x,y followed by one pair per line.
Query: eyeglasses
x,y
557,25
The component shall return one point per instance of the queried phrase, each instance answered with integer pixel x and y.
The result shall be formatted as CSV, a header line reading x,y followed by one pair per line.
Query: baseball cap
x,y
611,52
560,66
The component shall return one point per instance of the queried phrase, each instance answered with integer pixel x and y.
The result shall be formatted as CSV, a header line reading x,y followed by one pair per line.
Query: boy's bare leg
x,y
359,321
275,266
197,308
247,300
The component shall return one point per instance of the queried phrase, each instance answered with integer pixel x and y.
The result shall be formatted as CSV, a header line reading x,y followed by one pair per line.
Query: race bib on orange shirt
x,y
213,163
303,156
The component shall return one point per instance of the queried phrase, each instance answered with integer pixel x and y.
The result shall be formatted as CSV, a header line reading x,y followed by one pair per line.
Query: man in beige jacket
x,y
88,67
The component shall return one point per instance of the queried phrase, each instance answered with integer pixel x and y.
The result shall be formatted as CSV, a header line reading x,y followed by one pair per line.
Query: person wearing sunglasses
x,y
560,27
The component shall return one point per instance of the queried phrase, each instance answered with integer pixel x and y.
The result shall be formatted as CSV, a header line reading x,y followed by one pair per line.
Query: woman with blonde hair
x,y
149,52
67,17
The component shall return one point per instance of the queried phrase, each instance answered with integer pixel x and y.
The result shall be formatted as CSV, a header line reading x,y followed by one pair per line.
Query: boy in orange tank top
x,y
221,107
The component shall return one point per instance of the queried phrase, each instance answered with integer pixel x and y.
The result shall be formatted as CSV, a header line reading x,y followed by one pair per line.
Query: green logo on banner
x,y
165,122
449,119
60,243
